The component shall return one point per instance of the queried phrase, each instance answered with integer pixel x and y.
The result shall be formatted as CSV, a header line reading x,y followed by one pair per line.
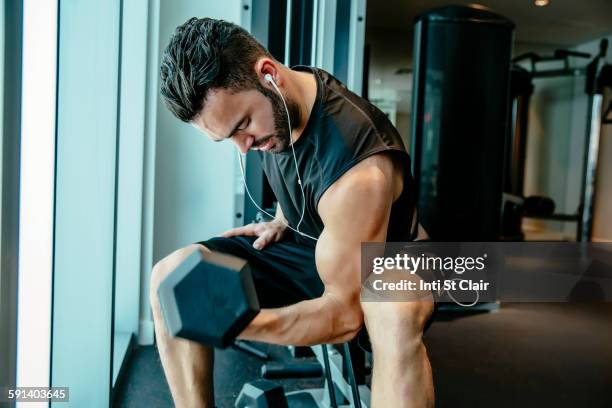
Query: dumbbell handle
x,y
291,370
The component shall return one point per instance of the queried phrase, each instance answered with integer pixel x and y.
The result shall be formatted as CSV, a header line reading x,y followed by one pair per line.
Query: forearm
x,y
279,216
321,320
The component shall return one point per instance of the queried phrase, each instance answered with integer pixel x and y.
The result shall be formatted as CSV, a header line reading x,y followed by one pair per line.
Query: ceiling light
x,y
541,3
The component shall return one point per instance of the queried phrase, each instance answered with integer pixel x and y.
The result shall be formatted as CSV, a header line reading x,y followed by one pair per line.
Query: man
x,y
355,187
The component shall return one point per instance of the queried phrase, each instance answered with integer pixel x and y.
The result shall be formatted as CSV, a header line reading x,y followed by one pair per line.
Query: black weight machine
x,y
342,366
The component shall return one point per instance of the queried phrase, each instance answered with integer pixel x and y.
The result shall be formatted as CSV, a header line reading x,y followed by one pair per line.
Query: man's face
x,y
253,119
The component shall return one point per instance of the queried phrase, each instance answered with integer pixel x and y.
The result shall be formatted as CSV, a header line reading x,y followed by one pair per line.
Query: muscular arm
x,y
355,209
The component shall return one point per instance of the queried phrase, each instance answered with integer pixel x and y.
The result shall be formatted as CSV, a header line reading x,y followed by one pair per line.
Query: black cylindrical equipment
x,y
460,108
274,370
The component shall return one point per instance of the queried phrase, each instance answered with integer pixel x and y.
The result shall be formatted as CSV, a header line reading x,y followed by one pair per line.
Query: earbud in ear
x,y
268,78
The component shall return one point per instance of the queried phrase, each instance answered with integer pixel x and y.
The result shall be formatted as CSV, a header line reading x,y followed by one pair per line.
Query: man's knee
x,y
166,265
403,318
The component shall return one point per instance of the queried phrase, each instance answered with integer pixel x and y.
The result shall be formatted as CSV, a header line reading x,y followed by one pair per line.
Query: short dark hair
x,y
203,54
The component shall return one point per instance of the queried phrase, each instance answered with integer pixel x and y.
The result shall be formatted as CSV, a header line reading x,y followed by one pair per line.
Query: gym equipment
x,y
248,348
300,351
209,298
344,387
516,207
521,89
261,394
559,55
460,109
275,370
538,205
598,76
512,217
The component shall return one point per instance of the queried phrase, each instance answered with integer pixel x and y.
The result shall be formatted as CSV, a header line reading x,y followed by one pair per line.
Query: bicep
x,y
338,266
356,210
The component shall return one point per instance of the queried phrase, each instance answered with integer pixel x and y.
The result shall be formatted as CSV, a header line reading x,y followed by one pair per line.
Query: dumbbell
x,y
261,394
538,205
209,298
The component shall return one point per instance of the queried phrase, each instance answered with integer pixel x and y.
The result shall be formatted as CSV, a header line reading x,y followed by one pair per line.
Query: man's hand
x,y
268,232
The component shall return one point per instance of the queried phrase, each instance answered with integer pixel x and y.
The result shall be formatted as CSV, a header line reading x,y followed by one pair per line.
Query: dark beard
x,y
282,133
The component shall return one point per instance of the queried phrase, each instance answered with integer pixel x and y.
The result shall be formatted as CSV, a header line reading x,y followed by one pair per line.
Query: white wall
x,y
602,228
194,189
554,151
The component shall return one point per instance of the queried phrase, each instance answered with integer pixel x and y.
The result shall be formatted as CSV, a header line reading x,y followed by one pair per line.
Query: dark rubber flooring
x,y
523,355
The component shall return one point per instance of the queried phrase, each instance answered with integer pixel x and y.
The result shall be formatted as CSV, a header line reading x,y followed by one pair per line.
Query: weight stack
x,y
460,105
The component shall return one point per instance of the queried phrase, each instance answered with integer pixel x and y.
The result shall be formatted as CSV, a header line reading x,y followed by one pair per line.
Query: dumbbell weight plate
x,y
261,394
209,298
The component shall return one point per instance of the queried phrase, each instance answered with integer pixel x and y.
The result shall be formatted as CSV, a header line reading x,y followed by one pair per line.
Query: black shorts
x,y
284,272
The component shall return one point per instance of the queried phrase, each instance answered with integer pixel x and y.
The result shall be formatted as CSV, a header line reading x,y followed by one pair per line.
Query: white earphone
x,y
269,78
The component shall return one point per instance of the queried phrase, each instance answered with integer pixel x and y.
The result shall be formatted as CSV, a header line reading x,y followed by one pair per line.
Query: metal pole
x,y
591,154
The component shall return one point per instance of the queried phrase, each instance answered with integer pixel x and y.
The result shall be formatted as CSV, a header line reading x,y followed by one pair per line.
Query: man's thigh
x,y
284,272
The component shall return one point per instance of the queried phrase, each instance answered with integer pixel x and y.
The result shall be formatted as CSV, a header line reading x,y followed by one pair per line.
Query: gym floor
x,y
522,355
